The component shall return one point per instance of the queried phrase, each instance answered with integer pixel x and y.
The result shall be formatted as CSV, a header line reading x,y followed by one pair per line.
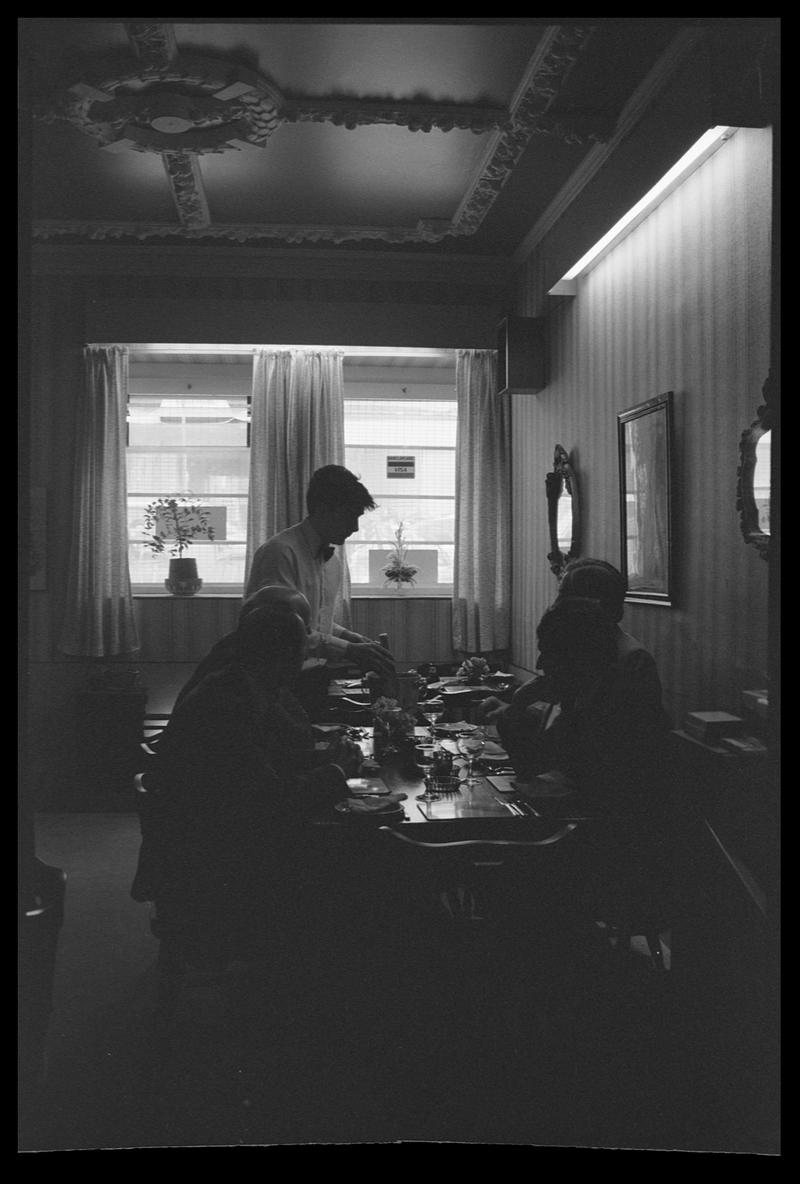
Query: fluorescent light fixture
x,y
697,154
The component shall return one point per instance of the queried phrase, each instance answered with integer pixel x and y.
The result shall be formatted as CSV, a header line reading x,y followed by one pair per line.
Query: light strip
x,y
696,155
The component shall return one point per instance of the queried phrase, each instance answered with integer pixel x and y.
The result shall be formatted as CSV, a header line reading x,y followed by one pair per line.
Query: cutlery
x,y
512,806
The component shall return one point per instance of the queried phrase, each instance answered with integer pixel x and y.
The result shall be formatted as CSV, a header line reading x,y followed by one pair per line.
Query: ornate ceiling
x,y
457,133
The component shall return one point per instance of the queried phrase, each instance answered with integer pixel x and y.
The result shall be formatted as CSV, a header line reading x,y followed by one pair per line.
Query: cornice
x,y
648,91
546,75
184,105
202,259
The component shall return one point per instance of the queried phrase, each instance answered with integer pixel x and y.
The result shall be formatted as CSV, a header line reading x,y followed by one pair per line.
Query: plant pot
x,y
182,579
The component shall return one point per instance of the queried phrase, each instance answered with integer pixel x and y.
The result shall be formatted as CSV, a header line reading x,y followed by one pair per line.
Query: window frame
x,y
168,388
376,392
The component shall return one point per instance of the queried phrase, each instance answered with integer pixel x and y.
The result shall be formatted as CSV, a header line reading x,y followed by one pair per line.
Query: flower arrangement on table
x,y
398,570
473,670
393,725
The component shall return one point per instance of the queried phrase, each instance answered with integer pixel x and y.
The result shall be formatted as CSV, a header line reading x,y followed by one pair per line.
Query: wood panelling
x,y
182,629
419,628
682,304
175,630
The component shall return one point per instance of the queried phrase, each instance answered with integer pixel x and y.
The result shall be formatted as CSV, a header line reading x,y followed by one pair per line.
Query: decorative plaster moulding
x,y
184,105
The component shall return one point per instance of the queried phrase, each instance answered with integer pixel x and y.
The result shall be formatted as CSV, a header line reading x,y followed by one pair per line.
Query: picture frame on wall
x,y
645,443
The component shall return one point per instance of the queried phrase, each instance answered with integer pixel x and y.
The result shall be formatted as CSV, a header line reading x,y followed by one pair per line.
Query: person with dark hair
x,y
233,783
585,718
598,580
304,558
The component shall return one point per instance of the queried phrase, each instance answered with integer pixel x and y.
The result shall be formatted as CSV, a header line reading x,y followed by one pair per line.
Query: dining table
x,y
401,790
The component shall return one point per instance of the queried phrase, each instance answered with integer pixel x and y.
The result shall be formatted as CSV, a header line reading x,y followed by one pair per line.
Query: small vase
x,y
182,579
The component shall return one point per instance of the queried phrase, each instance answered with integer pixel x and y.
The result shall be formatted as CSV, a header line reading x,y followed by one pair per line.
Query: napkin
x,y
493,751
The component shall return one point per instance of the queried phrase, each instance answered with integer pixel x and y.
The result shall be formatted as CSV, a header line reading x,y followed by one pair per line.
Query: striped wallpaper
x,y
682,304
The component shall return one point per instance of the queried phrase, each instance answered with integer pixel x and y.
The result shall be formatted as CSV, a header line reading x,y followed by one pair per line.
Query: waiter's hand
x,y
368,655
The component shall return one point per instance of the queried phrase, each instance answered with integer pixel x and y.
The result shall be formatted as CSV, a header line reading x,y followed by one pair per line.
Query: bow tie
x,y
325,552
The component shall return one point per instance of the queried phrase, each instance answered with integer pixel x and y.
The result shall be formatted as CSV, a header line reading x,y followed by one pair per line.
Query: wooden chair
x,y
153,726
461,869
194,936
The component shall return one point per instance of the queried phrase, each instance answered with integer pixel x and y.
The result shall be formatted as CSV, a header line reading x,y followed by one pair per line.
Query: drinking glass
x,y
430,794
470,745
432,712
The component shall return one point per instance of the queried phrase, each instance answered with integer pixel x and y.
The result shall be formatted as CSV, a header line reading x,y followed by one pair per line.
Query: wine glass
x,y
432,711
430,794
470,745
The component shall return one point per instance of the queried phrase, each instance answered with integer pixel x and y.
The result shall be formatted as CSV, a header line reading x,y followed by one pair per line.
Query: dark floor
x,y
424,1040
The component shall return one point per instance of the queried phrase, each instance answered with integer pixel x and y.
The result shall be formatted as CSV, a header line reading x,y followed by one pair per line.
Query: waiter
x,y
303,557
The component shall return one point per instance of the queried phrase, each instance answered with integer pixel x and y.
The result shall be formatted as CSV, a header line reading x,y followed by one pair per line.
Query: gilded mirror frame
x,y
562,481
750,521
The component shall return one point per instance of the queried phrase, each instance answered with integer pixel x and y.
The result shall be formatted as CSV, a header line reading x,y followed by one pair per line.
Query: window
x,y
188,433
403,450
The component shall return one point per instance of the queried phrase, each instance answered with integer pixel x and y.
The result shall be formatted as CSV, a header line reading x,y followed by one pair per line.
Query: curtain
x,y
297,426
99,619
482,568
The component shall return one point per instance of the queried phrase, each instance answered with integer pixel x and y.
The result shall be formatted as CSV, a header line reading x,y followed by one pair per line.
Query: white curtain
x,y
99,619
482,571
297,426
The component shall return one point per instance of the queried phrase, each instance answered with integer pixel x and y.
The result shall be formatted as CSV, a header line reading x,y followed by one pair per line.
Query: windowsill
x,y
369,594
142,595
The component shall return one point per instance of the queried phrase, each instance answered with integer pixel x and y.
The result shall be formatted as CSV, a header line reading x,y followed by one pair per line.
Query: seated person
x,y
593,726
234,780
220,653
601,581
595,731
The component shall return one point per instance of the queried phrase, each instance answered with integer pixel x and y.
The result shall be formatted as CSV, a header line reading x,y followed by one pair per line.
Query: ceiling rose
x,y
192,105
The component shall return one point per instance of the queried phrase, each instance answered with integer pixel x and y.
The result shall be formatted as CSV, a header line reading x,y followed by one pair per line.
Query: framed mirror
x,y
644,435
563,512
754,483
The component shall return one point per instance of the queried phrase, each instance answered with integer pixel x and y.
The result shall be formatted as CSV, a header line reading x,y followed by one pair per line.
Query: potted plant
x,y
174,523
398,571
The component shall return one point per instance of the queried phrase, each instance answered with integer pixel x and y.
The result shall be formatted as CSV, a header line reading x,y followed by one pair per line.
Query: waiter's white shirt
x,y
294,558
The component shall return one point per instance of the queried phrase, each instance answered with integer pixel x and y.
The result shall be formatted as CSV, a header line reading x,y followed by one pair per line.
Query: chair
x,y
461,868
186,942
152,727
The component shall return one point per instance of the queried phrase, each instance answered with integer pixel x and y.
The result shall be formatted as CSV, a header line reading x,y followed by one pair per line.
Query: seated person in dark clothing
x,y
596,580
220,653
235,779
593,724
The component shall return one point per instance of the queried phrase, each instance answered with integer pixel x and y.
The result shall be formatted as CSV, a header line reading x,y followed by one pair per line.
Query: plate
x,y
359,809
455,729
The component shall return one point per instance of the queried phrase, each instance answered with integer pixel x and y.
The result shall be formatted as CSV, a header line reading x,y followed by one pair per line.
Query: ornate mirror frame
x,y
746,503
644,436
562,480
